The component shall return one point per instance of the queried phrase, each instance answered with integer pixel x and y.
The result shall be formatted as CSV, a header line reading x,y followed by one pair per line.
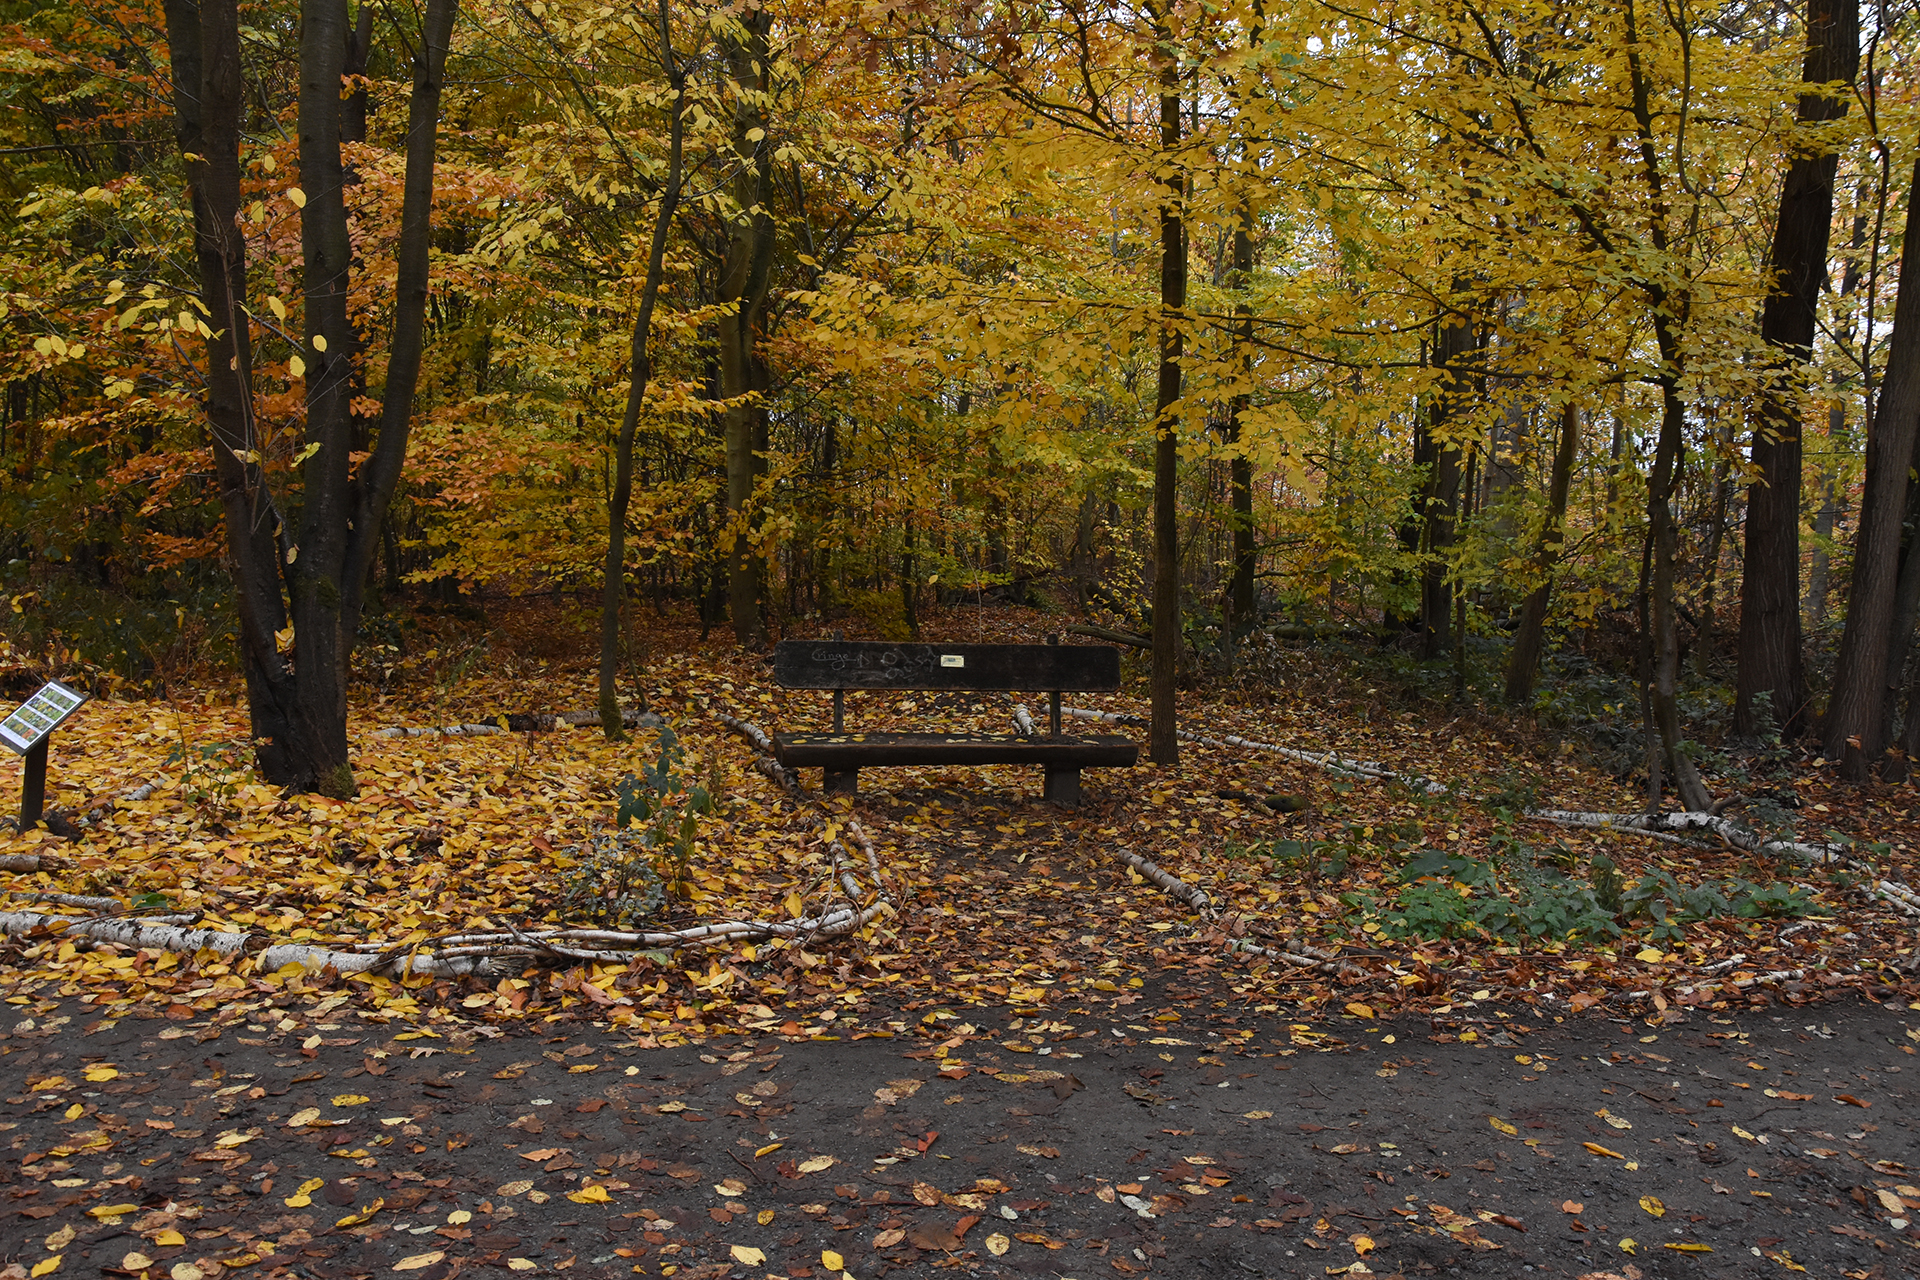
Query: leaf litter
x,y
997,903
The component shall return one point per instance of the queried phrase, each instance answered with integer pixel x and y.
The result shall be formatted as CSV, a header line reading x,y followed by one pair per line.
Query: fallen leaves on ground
x,y
999,898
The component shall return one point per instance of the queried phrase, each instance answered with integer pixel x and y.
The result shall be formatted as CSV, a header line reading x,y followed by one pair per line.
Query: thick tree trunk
x,y
1770,647
744,276
298,708
317,576
1240,588
1163,745
1524,660
209,97
639,373
1855,730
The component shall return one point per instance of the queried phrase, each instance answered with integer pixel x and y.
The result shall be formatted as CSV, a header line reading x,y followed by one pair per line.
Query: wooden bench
x,y
841,665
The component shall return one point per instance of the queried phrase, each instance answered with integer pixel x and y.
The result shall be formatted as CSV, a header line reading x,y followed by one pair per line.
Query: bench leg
x,y
846,783
1063,784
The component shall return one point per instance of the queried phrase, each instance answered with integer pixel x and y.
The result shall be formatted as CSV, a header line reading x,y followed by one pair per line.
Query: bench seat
x,y
841,755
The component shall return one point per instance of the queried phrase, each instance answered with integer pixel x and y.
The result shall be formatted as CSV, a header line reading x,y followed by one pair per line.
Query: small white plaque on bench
x,y
953,659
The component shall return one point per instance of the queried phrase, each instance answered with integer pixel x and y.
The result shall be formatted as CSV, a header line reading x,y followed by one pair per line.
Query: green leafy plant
x,y
624,876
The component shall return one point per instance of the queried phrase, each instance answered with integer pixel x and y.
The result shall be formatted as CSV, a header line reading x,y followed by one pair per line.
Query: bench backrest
x,y
867,664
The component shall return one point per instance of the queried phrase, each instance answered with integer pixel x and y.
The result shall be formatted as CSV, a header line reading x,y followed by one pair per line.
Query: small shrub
x,y
623,877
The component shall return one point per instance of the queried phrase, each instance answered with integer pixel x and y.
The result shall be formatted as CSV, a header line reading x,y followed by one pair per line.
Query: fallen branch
x,y
1327,760
1668,825
1109,634
1302,957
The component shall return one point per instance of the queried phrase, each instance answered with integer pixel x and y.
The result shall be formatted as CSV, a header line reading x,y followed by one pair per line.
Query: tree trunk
x,y
1855,730
1439,506
1770,647
1524,661
639,373
744,275
1163,747
1240,588
1663,696
298,709
209,95
379,476
317,580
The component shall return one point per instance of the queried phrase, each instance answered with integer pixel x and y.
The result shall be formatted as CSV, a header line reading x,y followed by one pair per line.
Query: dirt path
x,y
1103,1150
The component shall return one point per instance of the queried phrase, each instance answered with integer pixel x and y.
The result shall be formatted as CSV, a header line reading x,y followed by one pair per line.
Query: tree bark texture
x,y
209,101
298,707
745,272
1163,743
1523,662
1770,645
1856,729
639,373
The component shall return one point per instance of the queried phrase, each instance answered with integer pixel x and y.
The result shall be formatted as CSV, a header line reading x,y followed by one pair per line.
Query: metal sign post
x,y
28,731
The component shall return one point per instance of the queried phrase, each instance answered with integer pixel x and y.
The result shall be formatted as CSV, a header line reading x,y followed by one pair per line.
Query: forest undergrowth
x,y
1328,893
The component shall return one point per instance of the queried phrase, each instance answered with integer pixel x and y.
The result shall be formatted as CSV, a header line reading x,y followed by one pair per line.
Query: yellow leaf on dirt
x,y
1629,1245
595,1194
764,1217
520,1264
1599,1150
814,1164
112,1210
1689,1248
136,1261
1651,955
1259,1115
1360,1010
997,1244
304,1116
1502,1125
349,1099
1890,1202
519,1187
101,1074
168,1238
359,1216
45,1265
1362,1245
747,1256
670,1108
419,1260
832,1261
768,1150
59,1240
1653,1206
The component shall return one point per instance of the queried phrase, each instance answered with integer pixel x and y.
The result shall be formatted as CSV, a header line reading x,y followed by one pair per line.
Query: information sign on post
x,y
27,731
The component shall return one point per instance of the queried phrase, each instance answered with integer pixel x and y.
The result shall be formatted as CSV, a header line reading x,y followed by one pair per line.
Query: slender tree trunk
x,y
379,476
744,275
1240,590
1664,694
639,373
1453,348
1855,730
1162,746
1524,660
1770,646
